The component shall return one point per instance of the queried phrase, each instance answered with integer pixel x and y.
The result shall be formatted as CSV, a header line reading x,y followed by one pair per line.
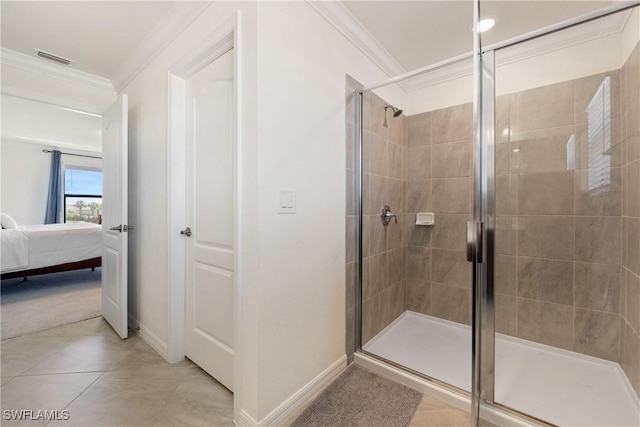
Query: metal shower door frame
x,y
481,237
481,230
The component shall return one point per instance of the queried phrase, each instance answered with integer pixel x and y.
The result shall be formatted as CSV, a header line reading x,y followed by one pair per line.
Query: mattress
x,y
35,246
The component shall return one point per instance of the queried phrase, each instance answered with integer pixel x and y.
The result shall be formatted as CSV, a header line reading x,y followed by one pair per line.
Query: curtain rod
x,y
71,154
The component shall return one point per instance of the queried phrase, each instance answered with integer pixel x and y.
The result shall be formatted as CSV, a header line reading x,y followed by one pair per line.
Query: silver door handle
x,y
122,228
475,243
186,232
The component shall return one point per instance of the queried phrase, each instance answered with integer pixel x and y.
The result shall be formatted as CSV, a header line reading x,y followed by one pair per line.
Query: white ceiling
x,y
97,35
419,33
100,35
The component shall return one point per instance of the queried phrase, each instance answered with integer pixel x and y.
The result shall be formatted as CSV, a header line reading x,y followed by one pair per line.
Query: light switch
x,y
287,202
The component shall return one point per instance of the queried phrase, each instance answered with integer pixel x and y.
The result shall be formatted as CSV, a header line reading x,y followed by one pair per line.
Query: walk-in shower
x,y
511,274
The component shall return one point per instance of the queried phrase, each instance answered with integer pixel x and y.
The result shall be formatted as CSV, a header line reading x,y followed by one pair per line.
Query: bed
x,y
29,250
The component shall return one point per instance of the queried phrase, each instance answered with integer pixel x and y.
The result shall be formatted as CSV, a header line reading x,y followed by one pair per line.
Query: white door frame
x,y
220,41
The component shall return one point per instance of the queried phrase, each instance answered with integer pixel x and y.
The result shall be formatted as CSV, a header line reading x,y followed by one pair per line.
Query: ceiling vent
x,y
52,57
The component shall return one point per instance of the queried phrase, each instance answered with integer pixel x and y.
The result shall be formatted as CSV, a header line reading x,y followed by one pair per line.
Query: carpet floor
x,y
44,302
360,398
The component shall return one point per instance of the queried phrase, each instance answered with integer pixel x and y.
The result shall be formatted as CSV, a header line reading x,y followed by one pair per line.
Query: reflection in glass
x,y
599,134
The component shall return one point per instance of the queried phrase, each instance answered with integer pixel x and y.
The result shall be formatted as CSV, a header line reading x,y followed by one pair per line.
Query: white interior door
x,y
114,215
210,250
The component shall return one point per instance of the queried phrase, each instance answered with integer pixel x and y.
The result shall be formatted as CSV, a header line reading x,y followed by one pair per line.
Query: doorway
x,y
203,232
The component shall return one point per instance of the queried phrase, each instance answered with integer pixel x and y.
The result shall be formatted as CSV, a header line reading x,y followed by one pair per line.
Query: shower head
x,y
396,112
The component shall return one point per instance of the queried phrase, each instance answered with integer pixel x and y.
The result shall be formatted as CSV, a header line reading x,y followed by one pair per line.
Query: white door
x,y
114,215
210,250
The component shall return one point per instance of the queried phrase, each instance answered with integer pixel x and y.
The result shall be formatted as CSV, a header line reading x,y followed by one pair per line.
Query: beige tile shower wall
x,y
559,244
352,216
630,301
439,181
384,248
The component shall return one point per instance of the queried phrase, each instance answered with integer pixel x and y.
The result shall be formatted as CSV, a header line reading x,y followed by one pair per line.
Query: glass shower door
x,y
416,280
566,132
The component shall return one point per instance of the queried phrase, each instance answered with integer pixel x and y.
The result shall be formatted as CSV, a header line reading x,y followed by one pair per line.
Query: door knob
x,y
118,228
186,232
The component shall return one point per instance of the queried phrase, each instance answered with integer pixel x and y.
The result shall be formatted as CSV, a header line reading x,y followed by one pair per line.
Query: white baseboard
x,y
299,400
149,337
244,420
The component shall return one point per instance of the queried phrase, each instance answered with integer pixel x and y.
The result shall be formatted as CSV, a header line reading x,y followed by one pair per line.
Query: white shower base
x,y
555,385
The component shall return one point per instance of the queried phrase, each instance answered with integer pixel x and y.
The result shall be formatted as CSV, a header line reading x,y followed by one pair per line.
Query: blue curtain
x,y
54,200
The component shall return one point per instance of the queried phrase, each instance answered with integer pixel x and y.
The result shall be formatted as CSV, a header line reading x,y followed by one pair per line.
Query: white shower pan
x,y
559,386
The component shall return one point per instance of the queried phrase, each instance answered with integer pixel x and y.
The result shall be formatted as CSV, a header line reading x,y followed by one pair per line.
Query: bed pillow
x,y
7,222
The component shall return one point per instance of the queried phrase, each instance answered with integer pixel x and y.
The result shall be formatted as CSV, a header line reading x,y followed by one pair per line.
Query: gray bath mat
x,y
361,398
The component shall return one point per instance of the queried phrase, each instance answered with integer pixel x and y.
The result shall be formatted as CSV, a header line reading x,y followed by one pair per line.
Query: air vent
x,y
52,57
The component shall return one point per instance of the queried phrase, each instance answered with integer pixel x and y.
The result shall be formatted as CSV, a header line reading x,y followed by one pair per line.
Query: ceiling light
x,y
486,24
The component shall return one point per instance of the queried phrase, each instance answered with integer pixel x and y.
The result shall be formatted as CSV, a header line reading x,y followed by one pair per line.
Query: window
x,y
82,195
599,134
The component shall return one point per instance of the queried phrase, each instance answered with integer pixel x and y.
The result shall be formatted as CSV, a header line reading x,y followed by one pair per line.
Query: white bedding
x,y
14,249
47,245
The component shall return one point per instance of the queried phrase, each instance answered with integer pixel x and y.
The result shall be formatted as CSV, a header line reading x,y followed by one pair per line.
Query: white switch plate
x,y
287,202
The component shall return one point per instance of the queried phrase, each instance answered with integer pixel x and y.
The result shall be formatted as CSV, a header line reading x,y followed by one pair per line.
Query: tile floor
x,y
432,412
102,380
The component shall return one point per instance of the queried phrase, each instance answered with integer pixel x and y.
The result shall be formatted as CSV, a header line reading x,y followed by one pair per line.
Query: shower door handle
x,y
475,243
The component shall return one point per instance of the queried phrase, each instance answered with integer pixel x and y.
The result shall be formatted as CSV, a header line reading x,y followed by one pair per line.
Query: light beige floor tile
x,y
430,404
432,412
440,417
199,400
95,326
43,392
85,354
21,354
138,388
125,398
141,373
142,355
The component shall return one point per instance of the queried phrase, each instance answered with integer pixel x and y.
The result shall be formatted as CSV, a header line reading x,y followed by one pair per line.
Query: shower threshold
x,y
559,386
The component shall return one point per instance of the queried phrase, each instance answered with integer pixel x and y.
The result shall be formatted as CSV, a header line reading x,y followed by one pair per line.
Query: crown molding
x,y
174,22
52,100
336,14
31,63
541,46
348,25
50,144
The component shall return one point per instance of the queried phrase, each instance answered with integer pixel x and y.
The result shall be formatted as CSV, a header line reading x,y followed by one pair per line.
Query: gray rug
x,y
359,397
44,302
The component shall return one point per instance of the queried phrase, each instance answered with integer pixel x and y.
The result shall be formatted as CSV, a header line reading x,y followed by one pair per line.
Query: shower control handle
x,y
386,215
